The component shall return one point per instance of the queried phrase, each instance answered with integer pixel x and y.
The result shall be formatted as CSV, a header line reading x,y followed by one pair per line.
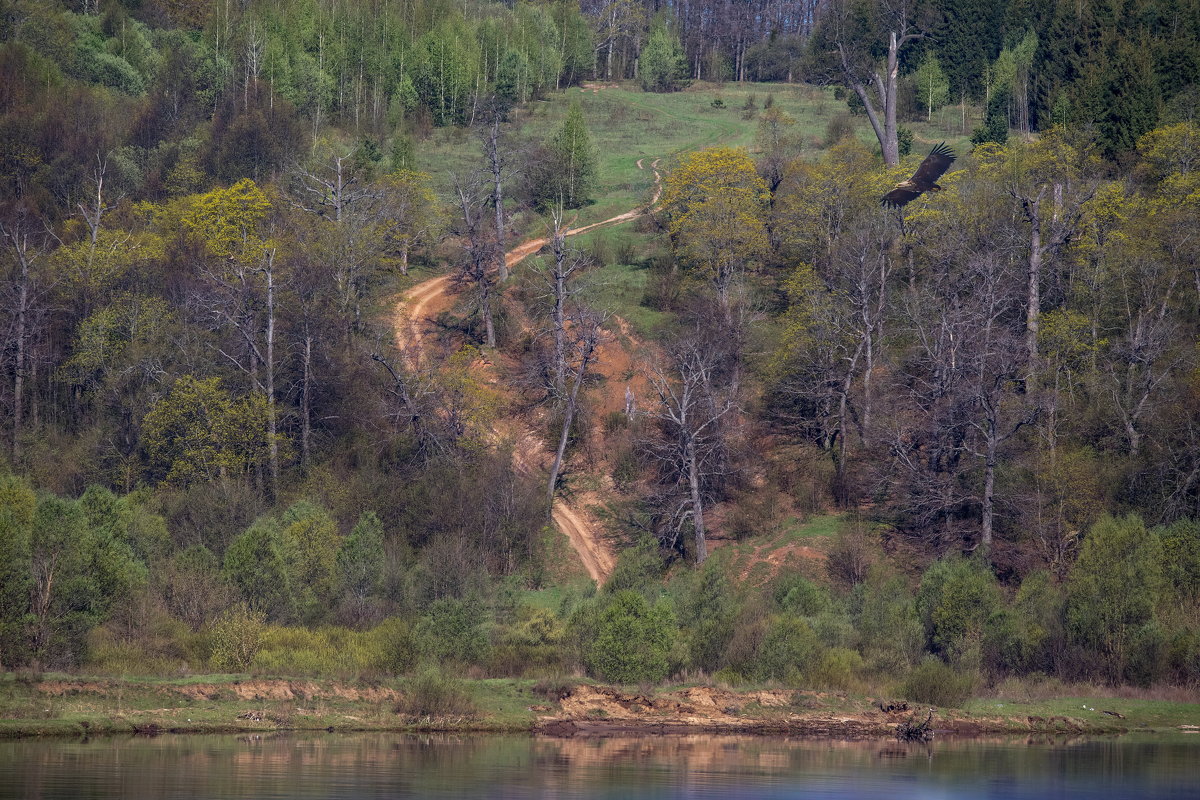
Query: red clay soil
x,y
430,297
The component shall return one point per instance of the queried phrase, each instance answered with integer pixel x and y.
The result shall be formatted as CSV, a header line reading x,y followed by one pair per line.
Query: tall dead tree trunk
x,y
495,157
587,334
1062,228
479,255
878,91
23,292
691,411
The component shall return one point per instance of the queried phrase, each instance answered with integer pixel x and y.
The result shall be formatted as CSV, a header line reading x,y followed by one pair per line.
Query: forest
x,y
829,444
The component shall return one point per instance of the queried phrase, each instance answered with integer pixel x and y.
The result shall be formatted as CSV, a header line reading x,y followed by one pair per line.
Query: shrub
x,y
452,630
795,594
531,643
633,640
840,126
1183,657
1181,559
1113,589
955,600
754,515
935,682
886,618
836,668
391,647
1027,636
1148,652
555,687
237,637
789,650
433,694
708,612
637,567
326,651
851,556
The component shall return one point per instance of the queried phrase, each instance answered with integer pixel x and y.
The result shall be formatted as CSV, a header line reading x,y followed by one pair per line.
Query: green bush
x,y
885,614
433,694
391,647
531,643
316,652
708,611
837,668
936,683
1112,591
1181,559
633,640
956,598
637,567
236,638
1028,636
1183,656
1147,660
795,594
789,651
452,630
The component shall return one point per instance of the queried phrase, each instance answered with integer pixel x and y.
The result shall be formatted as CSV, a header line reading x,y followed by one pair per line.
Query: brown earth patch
x,y
607,711
241,690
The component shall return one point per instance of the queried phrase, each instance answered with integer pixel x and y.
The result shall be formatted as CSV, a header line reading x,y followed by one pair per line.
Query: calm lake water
x,y
398,766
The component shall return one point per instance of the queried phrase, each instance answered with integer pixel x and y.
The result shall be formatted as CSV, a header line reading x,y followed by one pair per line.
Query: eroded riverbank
x,y
71,706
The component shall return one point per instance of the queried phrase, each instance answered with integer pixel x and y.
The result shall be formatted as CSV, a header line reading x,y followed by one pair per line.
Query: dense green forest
x,y
217,455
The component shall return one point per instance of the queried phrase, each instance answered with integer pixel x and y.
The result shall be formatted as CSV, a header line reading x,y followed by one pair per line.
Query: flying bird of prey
x,y
923,180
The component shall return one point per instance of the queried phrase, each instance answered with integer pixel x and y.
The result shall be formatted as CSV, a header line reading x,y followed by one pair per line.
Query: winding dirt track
x,y
416,307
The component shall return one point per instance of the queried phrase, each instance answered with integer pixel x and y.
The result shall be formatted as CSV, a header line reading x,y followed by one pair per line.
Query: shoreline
x,y
70,706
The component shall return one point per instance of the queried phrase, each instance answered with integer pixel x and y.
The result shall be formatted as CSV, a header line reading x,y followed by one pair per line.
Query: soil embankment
x,y
84,706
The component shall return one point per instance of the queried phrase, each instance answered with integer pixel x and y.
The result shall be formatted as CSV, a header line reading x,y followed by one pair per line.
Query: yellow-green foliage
x,y
165,647
937,683
434,694
237,638
227,221
837,668
331,651
532,643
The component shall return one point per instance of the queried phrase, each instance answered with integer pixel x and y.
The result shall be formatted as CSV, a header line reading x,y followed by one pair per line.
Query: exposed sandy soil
x,y
242,690
428,298
96,705
604,710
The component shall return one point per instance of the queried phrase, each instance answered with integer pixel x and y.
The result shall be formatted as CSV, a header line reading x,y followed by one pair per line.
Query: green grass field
x,y
628,125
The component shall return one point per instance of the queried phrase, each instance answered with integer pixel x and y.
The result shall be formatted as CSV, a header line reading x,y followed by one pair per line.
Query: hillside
x,y
510,343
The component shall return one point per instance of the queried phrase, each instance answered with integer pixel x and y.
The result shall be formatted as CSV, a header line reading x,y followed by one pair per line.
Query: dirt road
x,y
429,296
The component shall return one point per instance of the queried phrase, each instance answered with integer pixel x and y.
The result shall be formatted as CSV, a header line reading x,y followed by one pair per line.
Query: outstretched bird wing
x,y
925,178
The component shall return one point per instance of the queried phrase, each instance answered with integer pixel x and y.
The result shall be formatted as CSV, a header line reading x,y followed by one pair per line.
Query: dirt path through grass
x,y
418,305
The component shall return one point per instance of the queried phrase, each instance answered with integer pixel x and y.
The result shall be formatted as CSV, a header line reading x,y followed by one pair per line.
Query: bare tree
x,y
690,411
417,407
21,294
249,310
960,396
1059,229
479,247
1143,354
558,274
877,87
497,162
586,333
836,344
335,192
